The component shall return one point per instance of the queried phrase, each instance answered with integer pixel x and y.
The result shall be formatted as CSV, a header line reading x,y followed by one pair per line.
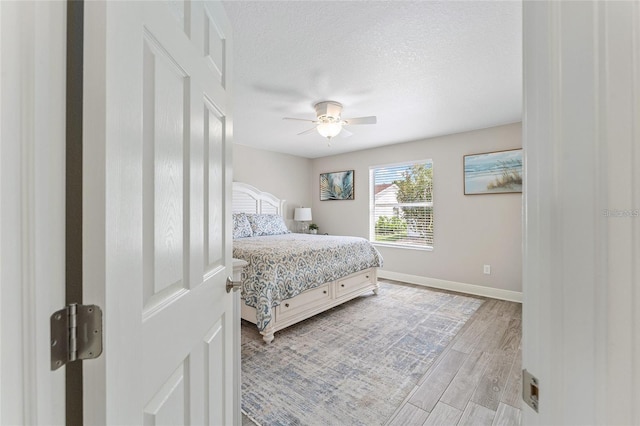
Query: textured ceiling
x,y
423,68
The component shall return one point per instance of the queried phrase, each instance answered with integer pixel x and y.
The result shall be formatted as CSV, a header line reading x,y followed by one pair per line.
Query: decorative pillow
x,y
241,226
267,224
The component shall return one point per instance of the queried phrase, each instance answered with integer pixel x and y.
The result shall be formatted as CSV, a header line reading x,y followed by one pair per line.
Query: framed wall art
x,y
336,185
497,172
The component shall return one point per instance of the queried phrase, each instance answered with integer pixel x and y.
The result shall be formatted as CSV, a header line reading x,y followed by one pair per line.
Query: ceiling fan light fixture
x,y
329,120
329,129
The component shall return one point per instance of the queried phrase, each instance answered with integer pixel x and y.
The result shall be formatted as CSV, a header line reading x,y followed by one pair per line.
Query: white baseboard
x,y
478,290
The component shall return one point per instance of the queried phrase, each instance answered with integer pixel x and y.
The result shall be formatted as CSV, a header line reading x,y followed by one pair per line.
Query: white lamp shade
x,y
302,214
329,130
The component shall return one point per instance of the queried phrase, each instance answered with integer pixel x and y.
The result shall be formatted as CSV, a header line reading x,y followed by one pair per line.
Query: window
x,y
402,204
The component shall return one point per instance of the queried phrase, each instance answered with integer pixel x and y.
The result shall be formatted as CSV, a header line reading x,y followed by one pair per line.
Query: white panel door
x,y
157,176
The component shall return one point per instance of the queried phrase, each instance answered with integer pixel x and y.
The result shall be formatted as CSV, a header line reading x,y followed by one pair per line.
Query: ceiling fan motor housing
x,y
328,111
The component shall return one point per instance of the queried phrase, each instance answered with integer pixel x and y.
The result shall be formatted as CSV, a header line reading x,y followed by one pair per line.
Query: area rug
x,y
352,365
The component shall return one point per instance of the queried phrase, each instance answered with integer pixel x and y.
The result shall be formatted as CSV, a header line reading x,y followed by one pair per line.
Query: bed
x,y
291,277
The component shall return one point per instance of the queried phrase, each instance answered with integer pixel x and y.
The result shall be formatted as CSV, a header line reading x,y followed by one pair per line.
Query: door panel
x,y
214,186
166,179
215,392
167,407
165,85
214,47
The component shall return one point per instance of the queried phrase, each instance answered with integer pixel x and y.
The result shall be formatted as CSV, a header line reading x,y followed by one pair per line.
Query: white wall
x,y
285,176
470,231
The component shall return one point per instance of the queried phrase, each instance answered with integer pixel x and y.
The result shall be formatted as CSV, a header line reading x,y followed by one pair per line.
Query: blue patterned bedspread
x,y
282,266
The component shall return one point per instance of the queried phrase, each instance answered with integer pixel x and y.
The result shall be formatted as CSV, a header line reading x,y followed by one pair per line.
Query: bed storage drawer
x,y
305,300
353,283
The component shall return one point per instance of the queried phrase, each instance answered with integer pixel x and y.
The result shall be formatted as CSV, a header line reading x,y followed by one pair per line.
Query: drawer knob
x,y
341,285
324,291
286,305
367,276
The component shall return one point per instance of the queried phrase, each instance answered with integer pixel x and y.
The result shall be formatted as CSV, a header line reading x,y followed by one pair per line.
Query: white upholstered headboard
x,y
249,199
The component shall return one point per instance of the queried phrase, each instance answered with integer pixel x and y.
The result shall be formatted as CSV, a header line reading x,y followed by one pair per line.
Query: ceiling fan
x,y
329,122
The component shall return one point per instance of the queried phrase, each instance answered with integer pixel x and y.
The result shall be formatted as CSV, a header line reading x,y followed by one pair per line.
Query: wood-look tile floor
x,y
477,378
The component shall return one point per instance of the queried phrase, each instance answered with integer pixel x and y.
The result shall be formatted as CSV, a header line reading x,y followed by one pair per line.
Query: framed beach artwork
x,y
497,172
336,186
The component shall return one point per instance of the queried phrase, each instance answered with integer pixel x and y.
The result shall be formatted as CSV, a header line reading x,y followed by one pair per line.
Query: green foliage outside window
x,y
390,228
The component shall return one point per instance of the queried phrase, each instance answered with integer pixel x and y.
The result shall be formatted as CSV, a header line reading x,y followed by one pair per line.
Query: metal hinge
x,y
76,333
530,390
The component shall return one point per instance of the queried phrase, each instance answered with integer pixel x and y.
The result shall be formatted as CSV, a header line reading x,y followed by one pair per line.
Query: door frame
x,y
581,131
32,146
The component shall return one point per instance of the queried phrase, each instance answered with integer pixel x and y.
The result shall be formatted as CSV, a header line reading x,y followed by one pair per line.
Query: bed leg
x,y
267,333
267,337
376,288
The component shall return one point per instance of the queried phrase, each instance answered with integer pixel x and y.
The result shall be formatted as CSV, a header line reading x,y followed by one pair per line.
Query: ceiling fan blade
x,y
307,131
361,120
299,119
344,133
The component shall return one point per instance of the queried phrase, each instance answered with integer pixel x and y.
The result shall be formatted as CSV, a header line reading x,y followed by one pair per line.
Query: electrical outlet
x,y
487,269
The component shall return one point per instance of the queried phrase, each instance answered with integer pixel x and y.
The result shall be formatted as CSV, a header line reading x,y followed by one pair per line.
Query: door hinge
x,y
530,390
76,333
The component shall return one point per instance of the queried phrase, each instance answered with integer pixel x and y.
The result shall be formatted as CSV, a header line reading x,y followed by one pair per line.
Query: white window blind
x,y
401,211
